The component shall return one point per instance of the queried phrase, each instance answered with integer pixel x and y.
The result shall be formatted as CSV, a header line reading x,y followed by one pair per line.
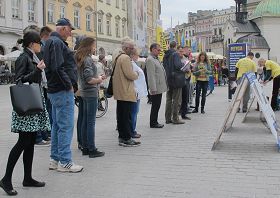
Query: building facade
x,y
80,13
15,15
220,18
153,16
137,24
111,24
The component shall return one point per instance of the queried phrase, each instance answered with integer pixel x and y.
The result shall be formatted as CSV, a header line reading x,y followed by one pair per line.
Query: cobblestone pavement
x,y
175,161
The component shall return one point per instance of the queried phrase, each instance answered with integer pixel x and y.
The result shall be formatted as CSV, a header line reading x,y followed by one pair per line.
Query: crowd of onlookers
x,y
63,73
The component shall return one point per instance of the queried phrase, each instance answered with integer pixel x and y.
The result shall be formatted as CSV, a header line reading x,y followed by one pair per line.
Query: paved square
x,y
175,161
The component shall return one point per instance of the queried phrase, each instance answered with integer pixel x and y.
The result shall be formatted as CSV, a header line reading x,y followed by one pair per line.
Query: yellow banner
x,y
161,40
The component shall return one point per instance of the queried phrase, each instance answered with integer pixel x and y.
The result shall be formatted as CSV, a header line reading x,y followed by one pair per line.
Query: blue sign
x,y
251,77
236,51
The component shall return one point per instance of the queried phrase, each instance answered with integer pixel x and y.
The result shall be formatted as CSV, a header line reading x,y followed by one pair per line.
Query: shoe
x,y
178,122
10,192
157,126
244,111
128,143
137,135
53,164
33,183
69,167
43,143
195,111
85,151
186,118
192,107
168,122
95,153
202,111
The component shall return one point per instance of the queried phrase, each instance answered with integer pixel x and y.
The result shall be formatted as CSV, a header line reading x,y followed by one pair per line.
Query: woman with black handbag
x,y
28,70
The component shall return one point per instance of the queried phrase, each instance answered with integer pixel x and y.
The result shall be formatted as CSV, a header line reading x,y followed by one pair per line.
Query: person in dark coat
x,y
28,69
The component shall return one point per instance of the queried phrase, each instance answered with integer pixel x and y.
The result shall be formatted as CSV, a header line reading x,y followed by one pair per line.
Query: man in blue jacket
x,y
176,80
61,72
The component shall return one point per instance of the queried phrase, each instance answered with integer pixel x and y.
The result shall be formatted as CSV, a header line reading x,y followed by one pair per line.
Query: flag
x,y
161,40
183,40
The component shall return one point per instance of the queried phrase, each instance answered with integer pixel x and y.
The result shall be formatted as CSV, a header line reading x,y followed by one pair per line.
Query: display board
x,y
250,78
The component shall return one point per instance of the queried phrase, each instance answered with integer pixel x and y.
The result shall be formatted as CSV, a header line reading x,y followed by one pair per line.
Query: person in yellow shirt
x,y
244,66
272,72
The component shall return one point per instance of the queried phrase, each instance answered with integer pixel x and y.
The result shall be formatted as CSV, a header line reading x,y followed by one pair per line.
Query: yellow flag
x,y
161,40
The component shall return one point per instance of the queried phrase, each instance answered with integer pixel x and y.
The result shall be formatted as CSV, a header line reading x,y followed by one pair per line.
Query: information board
x,y
236,51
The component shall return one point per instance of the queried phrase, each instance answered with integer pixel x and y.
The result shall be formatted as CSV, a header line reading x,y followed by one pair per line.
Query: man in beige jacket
x,y
124,93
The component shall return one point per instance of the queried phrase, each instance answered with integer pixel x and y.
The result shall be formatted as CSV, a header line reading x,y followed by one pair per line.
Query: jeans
x,y
173,103
63,125
88,122
156,102
134,112
124,121
80,119
185,98
201,86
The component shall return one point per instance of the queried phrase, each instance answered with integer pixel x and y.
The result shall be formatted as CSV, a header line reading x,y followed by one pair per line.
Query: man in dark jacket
x,y
176,80
61,72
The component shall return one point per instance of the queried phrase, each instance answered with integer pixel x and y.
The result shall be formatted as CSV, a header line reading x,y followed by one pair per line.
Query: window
x,y
118,28
51,13
123,28
108,2
215,31
117,3
2,8
16,9
62,12
220,31
77,18
31,10
123,4
108,26
100,23
88,22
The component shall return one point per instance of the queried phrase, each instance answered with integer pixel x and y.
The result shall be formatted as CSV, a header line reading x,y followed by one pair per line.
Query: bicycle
x,y
102,103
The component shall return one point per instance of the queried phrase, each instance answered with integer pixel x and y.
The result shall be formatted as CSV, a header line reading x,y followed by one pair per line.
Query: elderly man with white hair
x,y
61,72
124,92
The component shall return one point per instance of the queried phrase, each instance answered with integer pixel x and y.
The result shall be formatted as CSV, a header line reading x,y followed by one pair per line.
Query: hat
x,y
64,22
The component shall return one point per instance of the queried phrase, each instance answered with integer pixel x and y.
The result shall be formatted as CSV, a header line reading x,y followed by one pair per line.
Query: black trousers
x,y
275,92
124,121
201,86
156,102
185,98
25,144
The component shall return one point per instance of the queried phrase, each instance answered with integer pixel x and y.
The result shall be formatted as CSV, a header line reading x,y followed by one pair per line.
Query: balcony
x,y
217,38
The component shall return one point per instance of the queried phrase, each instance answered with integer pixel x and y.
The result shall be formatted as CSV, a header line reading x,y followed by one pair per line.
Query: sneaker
x,y
43,143
53,164
129,143
69,167
195,111
96,153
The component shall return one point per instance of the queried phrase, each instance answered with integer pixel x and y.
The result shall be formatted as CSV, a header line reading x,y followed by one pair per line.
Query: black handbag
x,y
109,91
26,98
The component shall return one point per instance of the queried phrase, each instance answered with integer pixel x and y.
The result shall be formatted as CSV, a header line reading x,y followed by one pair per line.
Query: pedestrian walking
x,y
26,126
124,92
202,71
89,82
176,80
243,66
272,72
156,82
61,72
